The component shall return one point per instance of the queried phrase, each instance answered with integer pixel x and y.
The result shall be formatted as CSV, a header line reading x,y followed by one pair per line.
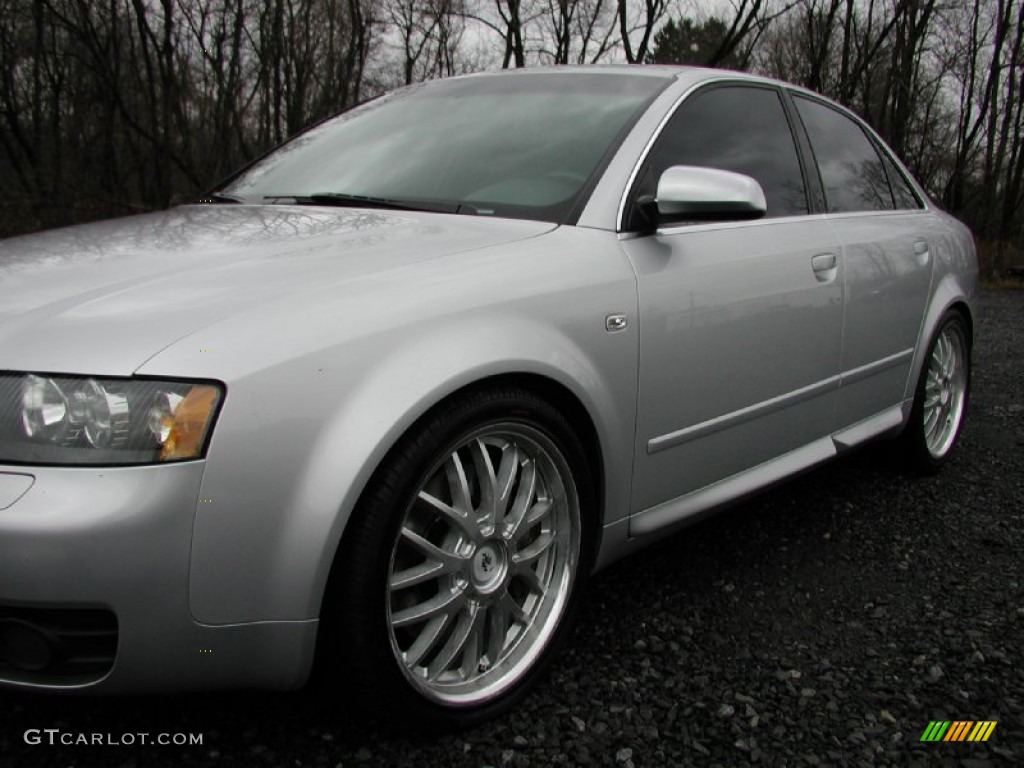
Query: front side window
x,y
850,168
522,146
734,128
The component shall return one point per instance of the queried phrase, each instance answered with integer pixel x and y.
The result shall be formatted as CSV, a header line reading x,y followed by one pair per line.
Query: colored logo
x,y
958,730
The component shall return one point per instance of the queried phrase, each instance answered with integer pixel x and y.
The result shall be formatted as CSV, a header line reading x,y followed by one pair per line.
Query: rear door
x,y
887,239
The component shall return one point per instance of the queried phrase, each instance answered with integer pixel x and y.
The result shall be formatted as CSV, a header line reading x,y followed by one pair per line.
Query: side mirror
x,y
691,193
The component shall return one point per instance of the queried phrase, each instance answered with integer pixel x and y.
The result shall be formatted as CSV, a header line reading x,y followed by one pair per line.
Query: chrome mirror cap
x,y
692,192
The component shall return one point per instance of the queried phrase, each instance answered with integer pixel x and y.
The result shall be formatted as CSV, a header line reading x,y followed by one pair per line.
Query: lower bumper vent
x,y
56,646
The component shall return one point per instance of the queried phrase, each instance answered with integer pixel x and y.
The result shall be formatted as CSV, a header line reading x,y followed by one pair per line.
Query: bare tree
x,y
642,23
430,33
109,106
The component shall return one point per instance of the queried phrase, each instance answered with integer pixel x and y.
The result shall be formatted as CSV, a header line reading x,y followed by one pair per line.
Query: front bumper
x,y
116,542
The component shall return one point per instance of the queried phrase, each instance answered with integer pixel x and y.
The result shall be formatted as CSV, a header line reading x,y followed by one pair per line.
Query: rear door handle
x,y
824,266
823,262
921,253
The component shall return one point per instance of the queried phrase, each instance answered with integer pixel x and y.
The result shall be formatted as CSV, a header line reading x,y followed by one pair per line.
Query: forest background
x,y
110,107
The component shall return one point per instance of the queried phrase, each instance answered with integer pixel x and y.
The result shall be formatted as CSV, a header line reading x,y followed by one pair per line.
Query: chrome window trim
x,y
711,226
892,212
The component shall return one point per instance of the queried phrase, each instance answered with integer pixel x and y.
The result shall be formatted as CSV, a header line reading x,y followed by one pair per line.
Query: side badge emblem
x,y
614,323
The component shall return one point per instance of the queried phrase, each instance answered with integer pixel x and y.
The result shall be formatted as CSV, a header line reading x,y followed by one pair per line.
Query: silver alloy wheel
x,y
945,390
483,565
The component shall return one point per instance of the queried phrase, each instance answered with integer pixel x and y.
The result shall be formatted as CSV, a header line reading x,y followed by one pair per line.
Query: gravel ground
x,y
824,623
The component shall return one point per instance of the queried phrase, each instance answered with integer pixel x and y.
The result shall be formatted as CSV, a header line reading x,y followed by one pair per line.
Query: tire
x,y
449,596
940,399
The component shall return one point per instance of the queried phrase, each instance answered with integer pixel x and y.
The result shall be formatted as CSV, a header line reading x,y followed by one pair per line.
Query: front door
x,y
741,322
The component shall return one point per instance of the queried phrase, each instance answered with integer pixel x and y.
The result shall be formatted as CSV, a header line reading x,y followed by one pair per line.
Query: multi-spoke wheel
x,y
459,573
483,564
941,397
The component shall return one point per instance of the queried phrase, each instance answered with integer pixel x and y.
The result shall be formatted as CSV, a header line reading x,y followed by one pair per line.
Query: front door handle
x,y
824,266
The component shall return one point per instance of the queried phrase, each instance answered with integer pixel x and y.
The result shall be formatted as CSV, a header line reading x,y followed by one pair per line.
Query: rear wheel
x,y
460,569
940,400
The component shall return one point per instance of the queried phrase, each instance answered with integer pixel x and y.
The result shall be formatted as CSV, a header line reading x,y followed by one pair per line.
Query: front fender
x,y
282,478
365,428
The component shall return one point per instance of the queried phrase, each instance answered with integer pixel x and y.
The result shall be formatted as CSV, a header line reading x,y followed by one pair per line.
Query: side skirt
x,y
670,515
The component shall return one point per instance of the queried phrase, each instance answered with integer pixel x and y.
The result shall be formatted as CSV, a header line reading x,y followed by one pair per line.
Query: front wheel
x,y
940,399
459,572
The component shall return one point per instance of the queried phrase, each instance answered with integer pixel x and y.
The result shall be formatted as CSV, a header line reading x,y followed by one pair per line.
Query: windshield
x,y
520,146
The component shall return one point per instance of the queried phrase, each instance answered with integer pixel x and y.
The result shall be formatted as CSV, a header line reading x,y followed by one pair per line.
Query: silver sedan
x,y
374,409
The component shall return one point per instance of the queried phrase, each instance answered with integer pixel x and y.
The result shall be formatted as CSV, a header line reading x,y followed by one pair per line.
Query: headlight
x,y
71,420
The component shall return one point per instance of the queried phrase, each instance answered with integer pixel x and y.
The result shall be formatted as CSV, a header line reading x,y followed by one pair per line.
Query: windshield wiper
x,y
216,197
344,200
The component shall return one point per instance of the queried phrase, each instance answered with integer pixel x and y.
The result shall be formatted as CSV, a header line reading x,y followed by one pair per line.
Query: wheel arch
x,y
963,308
554,392
950,295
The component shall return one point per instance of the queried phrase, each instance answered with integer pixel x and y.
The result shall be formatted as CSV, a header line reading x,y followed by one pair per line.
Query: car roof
x,y
682,73
687,76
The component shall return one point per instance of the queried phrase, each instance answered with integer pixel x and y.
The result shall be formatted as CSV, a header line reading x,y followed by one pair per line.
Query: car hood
x,y
103,298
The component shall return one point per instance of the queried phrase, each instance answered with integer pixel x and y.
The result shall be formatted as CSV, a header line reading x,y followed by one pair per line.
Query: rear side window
x,y
902,192
735,128
850,168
